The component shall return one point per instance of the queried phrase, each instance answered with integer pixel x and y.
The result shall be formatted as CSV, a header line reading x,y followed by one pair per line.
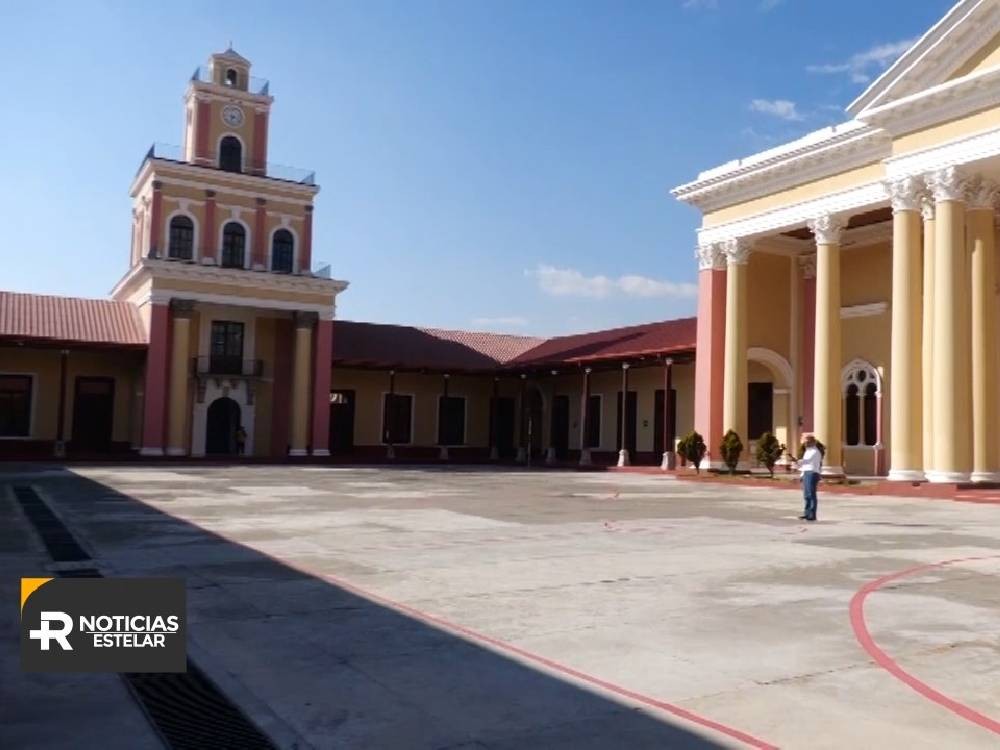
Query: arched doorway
x,y
220,427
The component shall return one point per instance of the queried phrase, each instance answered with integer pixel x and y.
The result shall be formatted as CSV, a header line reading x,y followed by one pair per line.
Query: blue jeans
x,y
809,481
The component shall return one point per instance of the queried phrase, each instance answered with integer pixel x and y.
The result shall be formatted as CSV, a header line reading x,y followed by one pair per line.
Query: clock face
x,y
232,115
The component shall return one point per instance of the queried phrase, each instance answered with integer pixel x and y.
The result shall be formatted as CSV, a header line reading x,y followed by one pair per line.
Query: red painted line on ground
x,y
670,708
887,663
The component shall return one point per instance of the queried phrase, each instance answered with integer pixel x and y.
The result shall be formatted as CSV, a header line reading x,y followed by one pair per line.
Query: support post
x,y
623,457
390,410
59,449
585,419
443,448
304,323
494,414
669,459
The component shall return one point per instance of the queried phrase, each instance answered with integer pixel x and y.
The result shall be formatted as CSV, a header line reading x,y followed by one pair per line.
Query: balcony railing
x,y
215,364
169,152
258,86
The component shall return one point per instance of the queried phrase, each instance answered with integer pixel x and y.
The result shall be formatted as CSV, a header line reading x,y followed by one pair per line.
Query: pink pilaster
x,y
807,362
710,357
305,253
323,354
156,220
258,164
208,233
202,127
155,399
258,260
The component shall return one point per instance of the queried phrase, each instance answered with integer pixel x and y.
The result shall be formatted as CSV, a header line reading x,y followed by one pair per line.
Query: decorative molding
x,y
864,311
737,250
816,155
927,211
305,319
965,150
808,265
786,217
982,193
827,228
235,183
777,364
905,194
710,257
947,184
181,308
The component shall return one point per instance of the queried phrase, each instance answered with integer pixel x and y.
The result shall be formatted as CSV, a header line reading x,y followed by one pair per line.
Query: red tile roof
x,y
43,318
411,347
407,347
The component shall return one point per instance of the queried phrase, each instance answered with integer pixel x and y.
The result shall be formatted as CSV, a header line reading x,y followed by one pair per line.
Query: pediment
x,y
966,42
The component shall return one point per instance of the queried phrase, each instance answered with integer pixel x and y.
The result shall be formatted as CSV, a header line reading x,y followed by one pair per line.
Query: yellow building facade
x,y
855,270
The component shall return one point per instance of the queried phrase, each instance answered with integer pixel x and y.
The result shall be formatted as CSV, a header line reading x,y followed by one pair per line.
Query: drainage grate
x,y
187,710
55,536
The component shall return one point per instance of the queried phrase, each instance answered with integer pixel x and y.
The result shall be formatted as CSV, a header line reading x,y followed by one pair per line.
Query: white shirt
x,y
811,460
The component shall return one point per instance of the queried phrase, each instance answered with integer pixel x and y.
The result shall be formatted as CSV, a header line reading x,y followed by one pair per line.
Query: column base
x,y
623,457
297,452
443,454
985,476
321,452
550,456
832,471
522,455
390,452
150,451
585,457
176,452
906,475
669,461
494,454
946,477
59,449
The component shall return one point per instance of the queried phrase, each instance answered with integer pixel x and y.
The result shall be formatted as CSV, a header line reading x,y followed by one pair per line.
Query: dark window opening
x,y
231,154
451,420
852,416
760,410
282,251
234,241
594,422
397,419
232,78
181,244
871,414
227,347
15,405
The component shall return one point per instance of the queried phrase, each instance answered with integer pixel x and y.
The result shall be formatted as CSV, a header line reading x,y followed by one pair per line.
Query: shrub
x,y
769,451
682,449
694,449
731,449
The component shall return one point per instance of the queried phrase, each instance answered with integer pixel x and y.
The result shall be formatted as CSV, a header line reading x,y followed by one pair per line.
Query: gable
x,y
965,41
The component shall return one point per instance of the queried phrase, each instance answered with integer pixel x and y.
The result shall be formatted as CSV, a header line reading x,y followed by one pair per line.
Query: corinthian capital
x,y
905,194
737,250
710,257
827,228
947,184
981,193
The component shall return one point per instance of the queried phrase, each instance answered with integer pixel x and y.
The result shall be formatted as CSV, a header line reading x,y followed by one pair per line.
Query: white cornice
x,y
796,215
820,154
864,311
965,150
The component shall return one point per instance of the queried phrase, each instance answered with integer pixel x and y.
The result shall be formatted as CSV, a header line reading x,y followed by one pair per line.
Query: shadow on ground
x,y
315,664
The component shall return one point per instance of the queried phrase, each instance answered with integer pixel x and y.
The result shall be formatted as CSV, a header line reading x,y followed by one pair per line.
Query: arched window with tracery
x,y
862,389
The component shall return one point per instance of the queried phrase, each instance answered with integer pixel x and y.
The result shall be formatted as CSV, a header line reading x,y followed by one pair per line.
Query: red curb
x,y
861,632
670,708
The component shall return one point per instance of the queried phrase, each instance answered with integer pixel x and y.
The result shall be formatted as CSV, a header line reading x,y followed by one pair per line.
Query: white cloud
x,y
510,321
862,67
781,108
569,282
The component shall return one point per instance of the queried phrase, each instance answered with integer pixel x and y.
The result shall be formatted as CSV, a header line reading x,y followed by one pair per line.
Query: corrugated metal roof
x,y
410,347
40,317
616,343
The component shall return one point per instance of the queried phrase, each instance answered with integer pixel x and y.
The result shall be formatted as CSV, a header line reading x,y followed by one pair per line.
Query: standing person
x,y
809,465
241,440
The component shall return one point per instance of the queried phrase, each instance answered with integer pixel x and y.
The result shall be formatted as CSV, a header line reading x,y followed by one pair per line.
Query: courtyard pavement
x,y
464,608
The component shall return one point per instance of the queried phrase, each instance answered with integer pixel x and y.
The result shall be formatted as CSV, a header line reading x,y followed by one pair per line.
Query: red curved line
x,y
887,663
671,708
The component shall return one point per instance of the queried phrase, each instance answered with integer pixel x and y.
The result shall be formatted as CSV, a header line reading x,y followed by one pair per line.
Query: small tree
x,y
694,449
682,449
731,449
769,450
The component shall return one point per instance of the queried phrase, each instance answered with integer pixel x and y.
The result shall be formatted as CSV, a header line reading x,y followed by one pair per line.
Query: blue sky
x,y
488,165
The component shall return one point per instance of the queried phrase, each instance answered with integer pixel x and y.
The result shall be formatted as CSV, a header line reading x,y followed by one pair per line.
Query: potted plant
x,y
731,449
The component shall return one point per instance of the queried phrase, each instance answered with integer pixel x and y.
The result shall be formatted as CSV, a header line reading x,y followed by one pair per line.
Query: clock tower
x,y
222,273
